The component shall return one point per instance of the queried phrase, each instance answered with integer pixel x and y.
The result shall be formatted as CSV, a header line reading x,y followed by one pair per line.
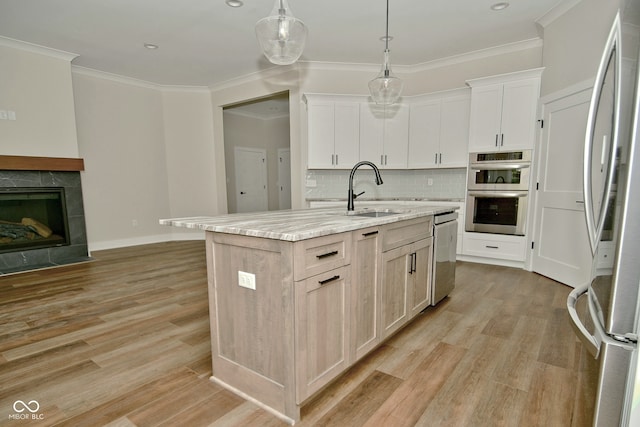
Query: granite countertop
x,y
295,225
387,199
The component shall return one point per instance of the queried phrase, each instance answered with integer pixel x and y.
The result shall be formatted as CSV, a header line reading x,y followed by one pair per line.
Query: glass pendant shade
x,y
281,35
386,88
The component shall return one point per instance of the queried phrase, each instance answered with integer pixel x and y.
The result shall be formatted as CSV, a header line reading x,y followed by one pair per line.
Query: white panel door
x,y
251,180
561,244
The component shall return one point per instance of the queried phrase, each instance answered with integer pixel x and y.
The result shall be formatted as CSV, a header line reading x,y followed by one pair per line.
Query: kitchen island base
x,y
293,306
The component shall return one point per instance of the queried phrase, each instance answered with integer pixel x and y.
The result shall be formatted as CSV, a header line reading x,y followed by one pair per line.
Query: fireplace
x,y
32,218
41,205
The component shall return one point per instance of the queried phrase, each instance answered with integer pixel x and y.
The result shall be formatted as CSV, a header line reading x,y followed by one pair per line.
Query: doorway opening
x,y
256,147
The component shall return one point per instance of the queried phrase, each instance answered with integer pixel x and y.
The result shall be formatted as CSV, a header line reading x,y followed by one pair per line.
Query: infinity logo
x,y
20,404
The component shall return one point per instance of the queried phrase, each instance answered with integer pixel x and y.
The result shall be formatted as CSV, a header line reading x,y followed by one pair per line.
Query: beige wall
x,y
120,136
36,84
573,44
188,136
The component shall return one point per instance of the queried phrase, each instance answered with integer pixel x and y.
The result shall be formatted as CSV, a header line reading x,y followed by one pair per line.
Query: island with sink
x,y
296,297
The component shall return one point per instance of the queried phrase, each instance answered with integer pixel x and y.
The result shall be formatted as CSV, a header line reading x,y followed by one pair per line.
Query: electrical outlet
x,y
429,182
311,183
134,222
247,280
3,115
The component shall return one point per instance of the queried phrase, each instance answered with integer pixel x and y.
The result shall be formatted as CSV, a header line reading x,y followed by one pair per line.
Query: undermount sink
x,y
375,213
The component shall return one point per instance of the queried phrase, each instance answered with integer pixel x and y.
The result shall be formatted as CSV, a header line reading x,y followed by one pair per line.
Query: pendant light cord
x,y
386,39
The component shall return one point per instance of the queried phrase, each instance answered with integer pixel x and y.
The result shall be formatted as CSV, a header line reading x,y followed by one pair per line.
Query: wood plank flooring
x,y
124,341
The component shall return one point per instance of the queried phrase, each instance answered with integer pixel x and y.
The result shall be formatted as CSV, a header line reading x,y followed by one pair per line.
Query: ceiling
x,y
206,42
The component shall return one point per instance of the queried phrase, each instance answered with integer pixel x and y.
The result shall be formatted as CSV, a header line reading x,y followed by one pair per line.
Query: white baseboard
x,y
145,240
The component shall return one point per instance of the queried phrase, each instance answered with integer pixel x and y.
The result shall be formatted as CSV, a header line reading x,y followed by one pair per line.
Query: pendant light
x,y
281,35
386,88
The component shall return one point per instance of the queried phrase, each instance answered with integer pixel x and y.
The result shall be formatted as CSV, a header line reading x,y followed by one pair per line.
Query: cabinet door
x,y
321,130
454,132
394,291
371,133
347,134
519,106
322,335
424,135
420,281
364,291
396,136
486,114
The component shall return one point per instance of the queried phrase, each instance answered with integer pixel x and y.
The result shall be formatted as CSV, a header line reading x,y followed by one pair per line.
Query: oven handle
x,y
499,167
498,193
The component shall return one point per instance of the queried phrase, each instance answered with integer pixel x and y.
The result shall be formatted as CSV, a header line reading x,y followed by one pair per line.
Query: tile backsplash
x,y
418,183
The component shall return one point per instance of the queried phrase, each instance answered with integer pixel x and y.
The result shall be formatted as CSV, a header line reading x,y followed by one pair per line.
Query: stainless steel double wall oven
x,y
498,192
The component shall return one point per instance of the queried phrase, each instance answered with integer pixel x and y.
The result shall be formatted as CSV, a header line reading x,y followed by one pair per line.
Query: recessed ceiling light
x,y
151,46
234,3
500,5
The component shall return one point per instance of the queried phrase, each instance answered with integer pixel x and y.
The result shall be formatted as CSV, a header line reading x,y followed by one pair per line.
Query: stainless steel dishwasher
x,y
445,239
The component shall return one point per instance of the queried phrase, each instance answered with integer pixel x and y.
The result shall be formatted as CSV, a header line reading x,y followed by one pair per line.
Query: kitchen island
x,y
297,297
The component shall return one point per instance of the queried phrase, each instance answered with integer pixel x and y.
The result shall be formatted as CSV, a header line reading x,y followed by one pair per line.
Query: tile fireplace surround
x,y
18,171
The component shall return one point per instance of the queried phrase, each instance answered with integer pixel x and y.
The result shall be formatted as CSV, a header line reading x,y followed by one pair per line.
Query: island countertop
x,y
295,225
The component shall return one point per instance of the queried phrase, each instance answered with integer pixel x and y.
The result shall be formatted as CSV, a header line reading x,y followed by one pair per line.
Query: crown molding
x,y
90,72
556,12
34,48
477,54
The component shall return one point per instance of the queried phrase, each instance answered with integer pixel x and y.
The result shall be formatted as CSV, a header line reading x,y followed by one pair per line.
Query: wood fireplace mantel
x,y
29,163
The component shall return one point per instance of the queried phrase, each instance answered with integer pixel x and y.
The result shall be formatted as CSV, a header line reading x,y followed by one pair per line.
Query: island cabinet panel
x,y
395,289
407,252
365,267
420,271
253,329
322,333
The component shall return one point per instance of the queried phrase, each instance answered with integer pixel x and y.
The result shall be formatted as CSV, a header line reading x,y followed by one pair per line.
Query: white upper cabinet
x,y
439,130
384,134
333,132
503,111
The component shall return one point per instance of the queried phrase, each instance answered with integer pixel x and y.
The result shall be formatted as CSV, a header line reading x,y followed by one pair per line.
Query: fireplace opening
x,y
32,218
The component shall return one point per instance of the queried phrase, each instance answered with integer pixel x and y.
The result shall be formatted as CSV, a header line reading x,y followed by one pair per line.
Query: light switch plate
x,y
247,280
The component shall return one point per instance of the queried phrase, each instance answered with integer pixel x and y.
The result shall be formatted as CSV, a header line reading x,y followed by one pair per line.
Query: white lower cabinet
x,y
496,246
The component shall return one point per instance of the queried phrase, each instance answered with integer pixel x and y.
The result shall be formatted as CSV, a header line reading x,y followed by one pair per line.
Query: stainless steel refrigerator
x,y
609,330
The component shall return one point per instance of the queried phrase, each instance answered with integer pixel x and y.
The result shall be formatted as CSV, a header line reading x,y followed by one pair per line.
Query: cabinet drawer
x,y
406,232
315,256
494,246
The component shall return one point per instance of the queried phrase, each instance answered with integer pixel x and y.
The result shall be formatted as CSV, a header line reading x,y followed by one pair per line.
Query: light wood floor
x,y
124,341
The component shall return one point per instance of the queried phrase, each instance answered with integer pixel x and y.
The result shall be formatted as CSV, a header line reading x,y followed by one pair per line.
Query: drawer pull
x,y
332,253
330,279
492,247
371,233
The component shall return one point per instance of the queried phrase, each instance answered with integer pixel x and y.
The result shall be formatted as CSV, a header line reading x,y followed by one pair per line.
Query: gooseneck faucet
x,y
350,196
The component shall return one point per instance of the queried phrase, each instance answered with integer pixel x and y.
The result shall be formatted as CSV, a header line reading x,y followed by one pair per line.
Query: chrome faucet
x,y
350,196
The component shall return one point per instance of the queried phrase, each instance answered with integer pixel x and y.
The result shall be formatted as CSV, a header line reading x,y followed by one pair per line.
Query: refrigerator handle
x,y
581,331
